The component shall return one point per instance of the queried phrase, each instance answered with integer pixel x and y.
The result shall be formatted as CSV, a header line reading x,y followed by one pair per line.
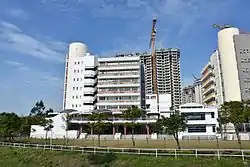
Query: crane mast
x,y
153,62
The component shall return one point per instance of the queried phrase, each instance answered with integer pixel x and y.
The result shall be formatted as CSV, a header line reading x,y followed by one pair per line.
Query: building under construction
x,y
168,73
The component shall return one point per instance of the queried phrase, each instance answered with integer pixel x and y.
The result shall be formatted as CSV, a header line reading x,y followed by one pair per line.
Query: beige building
x,y
211,83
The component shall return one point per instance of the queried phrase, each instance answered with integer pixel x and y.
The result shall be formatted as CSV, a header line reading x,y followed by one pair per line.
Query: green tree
x,y
48,125
97,121
25,127
131,115
9,125
235,112
66,119
173,125
38,109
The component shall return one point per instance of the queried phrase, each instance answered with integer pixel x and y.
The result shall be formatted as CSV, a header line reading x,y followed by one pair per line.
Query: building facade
x,y
80,79
197,91
211,82
168,73
242,51
234,54
188,94
192,93
201,121
121,83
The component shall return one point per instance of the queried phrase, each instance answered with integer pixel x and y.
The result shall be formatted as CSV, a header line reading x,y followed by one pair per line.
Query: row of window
x,y
77,88
78,62
197,116
245,60
244,51
78,71
199,128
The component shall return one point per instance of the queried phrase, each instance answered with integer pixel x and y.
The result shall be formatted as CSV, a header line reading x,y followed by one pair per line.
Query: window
x,y
73,88
77,71
73,97
212,114
76,88
195,116
77,79
72,105
78,62
74,79
76,105
74,71
197,128
214,128
76,97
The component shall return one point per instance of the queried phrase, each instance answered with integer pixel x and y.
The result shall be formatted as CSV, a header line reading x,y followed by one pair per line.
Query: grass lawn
x,y
13,157
192,144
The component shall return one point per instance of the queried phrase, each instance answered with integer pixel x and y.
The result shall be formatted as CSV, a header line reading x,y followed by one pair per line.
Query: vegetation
x,y
97,123
132,114
12,125
40,158
173,125
66,118
237,113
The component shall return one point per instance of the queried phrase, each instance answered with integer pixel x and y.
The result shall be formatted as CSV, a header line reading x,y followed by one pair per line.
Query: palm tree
x,y
131,115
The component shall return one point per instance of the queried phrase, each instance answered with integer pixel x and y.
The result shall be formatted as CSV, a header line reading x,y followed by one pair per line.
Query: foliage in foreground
x,y
39,158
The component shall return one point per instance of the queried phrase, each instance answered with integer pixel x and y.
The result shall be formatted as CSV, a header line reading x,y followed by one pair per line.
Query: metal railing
x,y
219,153
118,74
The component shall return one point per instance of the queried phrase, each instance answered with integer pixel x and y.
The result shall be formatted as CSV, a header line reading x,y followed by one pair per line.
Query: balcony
x,y
208,89
117,101
118,84
119,75
209,98
118,66
115,92
208,82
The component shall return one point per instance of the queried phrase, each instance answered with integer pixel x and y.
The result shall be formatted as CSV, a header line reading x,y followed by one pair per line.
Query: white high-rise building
x,y
120,83
80,79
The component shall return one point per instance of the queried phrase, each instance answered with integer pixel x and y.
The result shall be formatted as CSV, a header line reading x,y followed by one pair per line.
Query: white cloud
x,y
30,76
13,39
18,13
13,63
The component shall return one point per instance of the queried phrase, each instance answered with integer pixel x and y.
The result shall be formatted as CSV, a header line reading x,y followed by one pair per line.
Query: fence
x,y
219,153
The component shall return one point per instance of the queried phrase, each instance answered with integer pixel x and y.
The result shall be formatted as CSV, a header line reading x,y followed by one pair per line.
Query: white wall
x,y
78,60
229,64
209,121
58,131
164,102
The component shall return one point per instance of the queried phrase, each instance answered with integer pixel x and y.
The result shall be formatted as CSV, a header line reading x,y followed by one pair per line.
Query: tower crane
x,y
153,61
221,27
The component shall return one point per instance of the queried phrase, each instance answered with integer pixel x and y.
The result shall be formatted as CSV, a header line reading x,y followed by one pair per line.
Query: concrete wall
x,y
242,49
229,64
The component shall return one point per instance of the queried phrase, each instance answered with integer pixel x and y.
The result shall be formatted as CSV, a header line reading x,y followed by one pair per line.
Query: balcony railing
x,y
117,91
118,65
118,74
117,101
117,82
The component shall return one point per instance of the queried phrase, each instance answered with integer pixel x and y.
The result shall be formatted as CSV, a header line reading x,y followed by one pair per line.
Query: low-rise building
x,y
201,121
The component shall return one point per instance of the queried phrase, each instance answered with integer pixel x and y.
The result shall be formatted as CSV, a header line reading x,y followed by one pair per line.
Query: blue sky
x,y
34,36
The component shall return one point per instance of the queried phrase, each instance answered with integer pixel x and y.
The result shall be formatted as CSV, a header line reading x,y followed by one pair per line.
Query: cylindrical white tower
x,y
77,49
229,67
